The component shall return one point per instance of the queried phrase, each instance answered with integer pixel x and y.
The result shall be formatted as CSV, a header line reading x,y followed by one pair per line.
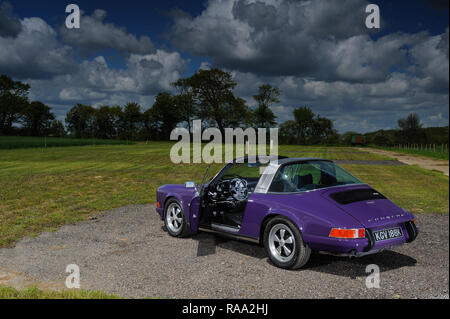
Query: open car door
x,y
196,202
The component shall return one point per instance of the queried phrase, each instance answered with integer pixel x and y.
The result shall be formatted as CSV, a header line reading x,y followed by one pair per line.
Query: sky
x,y
318,52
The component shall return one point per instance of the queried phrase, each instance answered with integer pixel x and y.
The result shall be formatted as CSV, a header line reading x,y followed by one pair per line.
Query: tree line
x,y
207,95
35,118
410,131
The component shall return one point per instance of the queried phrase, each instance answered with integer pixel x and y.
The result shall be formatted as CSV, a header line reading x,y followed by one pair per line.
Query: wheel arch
x,y
272,215
169,197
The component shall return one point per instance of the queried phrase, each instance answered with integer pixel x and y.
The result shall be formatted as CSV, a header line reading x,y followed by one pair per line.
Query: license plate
x,y
386,234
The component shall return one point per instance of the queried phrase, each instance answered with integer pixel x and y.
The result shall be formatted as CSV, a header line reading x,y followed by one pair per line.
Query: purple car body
x,y
315,213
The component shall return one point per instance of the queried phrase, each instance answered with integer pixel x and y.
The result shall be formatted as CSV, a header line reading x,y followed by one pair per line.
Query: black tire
x,y
178,227
300,251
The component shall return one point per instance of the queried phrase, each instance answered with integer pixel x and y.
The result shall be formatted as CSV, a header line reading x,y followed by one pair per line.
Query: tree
x,y
263,115
56,129
131,120
37,118
289,132
238,113
322,130
381,138
80,121
107,121
213,92
185,102
164,116
411,129
186,108
412,122
304,117
13,98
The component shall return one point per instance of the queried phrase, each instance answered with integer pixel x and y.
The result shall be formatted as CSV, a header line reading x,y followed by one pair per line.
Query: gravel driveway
x,y
126,252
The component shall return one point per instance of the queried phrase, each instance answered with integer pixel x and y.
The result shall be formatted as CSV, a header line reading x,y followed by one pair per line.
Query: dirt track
x,y
126,251
424,162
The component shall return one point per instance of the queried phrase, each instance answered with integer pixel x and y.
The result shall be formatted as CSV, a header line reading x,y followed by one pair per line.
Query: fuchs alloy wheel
x,y
174,219
284,244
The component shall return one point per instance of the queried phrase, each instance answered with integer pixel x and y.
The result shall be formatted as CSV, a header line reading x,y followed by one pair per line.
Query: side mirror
x,y
189,184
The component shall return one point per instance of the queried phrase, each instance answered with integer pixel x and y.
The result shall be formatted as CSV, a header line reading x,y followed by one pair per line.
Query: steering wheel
x,y
239,189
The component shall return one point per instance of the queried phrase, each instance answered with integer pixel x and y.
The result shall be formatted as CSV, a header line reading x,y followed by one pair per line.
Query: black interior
x,y
220,207
301,183
303,180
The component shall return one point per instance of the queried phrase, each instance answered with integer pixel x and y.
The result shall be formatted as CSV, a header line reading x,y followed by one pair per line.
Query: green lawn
x,y
42,189
12,142
35,293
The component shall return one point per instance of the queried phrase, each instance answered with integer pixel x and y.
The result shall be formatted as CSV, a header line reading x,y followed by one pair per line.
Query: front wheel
x,y
284,244
174,219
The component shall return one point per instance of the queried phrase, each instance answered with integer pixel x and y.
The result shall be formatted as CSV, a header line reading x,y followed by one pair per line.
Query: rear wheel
x,y
284,244
174,219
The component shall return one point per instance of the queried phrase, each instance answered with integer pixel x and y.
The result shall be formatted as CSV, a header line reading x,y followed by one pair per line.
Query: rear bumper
x,y
412,230
362,246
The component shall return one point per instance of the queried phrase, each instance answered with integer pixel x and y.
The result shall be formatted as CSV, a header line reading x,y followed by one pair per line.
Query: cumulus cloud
x,y
95,35
353,106
35,52
96,83
320,54
37,56
432,62
281,37
322,39
10,25
317,52
144,74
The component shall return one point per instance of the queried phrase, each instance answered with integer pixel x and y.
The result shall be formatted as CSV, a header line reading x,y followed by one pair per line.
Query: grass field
x,y
439,154
42,189
35,293
13,142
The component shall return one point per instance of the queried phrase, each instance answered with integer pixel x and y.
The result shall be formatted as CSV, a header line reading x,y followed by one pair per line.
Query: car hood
x,y
368,206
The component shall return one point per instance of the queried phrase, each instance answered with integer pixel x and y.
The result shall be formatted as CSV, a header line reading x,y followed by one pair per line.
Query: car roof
x,y
280,159
300,159
245,159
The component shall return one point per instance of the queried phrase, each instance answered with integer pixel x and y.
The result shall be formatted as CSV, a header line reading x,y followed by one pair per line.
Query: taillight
x,y
157,205
347,233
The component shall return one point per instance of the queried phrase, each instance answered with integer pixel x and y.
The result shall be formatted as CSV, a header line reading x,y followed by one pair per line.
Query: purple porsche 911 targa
x,y
292,206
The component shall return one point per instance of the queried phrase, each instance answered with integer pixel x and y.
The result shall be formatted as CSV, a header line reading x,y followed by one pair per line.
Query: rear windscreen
x,y
357,195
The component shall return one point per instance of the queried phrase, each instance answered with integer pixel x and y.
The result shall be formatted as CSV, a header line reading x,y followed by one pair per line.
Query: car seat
x,y
303,180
